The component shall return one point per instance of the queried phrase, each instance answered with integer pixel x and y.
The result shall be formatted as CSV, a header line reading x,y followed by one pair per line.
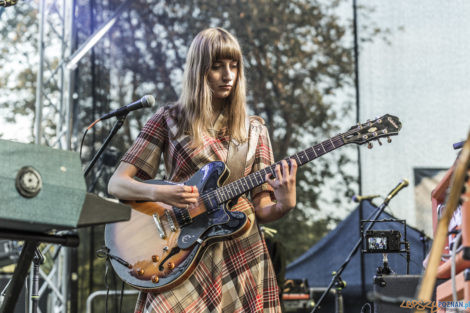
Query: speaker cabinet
x,y
396,286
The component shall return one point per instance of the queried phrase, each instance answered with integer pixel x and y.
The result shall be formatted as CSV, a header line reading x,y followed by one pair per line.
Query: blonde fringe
x,y
195,102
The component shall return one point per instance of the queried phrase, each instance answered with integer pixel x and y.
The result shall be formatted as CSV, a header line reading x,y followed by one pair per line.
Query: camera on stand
x,y
382,241
385,241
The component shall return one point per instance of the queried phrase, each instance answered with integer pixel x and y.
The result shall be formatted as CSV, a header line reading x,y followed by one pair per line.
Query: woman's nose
x,y
227,74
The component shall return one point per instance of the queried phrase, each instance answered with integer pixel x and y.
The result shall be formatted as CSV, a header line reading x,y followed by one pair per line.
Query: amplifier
x,y
396,286
42,189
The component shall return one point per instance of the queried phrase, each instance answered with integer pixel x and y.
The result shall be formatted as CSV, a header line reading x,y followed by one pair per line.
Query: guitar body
x,y
156,250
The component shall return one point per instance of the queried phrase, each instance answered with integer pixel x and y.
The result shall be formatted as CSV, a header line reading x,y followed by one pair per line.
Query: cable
x,y
106,284
363,307
84,134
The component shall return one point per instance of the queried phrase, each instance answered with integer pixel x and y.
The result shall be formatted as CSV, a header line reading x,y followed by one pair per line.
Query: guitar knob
x,y
369,145
155,279
171,265
155,258
389,140
140,271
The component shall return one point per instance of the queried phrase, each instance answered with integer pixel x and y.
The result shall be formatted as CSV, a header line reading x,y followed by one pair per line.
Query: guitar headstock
x,y
385,126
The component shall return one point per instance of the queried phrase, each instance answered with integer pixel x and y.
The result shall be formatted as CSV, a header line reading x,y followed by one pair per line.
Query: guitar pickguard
x,y
199,225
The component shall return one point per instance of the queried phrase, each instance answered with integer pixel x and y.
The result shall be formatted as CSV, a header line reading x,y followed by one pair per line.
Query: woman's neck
x,y
218,105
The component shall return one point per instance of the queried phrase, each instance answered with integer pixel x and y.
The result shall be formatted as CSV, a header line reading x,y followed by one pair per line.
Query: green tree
x,y
297,60
299,65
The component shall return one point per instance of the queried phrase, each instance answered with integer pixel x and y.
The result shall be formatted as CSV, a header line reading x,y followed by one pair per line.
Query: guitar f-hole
x,y
173,251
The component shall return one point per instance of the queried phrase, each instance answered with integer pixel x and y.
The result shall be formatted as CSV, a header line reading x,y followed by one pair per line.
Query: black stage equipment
x,y
396,289
336,280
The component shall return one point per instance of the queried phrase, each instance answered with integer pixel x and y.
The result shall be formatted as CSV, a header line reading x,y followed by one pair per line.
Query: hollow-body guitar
x,y
160,246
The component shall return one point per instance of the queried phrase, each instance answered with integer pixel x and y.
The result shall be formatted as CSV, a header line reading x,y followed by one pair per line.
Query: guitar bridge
x,y
160,229
170,220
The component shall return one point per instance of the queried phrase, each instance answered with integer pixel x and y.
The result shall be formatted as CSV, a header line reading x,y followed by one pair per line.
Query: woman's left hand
x,y
284,185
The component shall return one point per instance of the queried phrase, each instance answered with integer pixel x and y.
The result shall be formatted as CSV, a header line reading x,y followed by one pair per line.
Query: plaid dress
x,y
233,275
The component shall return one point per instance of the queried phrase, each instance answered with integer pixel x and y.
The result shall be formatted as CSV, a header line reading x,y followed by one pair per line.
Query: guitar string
x,y
310,152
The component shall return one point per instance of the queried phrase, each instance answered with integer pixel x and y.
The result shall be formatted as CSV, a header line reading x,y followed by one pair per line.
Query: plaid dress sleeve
x,y
146,151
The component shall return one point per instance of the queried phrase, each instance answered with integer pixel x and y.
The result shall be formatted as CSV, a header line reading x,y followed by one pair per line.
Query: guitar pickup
x,y
160,229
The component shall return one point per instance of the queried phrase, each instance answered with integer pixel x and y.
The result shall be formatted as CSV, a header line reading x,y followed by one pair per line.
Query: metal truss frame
x,y
55,75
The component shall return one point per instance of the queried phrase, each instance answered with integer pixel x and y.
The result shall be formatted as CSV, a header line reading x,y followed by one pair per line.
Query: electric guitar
x,y
160,246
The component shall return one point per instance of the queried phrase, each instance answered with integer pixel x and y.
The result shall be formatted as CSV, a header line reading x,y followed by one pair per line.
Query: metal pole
x,y
40,76
358,116
95,294
69,74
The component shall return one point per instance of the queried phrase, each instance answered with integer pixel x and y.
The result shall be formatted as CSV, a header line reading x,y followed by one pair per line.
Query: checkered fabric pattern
x,y
233,275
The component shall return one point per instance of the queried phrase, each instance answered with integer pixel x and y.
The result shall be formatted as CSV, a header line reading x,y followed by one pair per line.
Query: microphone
x,y
146,102
458,145
358,198
404,182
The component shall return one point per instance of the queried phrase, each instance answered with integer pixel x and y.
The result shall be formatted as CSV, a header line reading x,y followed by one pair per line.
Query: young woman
x,y
233,275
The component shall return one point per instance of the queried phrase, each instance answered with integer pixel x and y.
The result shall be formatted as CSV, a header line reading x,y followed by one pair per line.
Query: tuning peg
x,y
378,140
389,140
369,145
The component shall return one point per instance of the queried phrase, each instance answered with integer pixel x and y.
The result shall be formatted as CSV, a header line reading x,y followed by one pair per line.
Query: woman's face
x,y
222,78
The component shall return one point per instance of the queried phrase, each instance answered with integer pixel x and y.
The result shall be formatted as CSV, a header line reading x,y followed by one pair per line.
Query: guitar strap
x,y
238,153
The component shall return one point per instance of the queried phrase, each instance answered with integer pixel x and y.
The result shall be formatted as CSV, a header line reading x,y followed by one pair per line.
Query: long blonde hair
x,y
195,102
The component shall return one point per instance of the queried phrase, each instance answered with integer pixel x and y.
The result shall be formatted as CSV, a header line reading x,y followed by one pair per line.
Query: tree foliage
x,y
297,60
299,68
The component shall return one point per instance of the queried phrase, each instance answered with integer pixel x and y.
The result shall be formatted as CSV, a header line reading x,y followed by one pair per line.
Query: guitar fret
x,y
328,146
226,194
332,144
237,188
297,158
232,189
306,155
249,179
313,150
240,186
217,196
317,151
261,178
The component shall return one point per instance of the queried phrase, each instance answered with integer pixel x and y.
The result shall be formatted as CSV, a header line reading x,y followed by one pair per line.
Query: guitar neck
x,y
241,186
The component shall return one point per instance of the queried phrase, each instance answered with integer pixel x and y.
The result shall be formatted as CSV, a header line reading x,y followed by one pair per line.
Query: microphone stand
x,y
340,270
117,125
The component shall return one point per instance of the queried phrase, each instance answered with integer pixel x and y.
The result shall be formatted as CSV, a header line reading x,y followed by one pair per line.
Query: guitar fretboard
x,y
240,186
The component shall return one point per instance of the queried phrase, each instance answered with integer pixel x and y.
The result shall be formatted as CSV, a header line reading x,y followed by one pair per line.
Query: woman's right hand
x,y
123,186
176,195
